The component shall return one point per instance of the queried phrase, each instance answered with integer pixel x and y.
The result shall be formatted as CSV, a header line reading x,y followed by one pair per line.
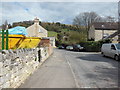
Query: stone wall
x,y
17,65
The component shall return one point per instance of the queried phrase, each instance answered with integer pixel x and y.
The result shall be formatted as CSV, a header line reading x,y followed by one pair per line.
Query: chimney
x,y
36,21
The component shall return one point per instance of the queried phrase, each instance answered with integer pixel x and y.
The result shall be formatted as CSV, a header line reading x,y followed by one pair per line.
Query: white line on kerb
x,y
74,77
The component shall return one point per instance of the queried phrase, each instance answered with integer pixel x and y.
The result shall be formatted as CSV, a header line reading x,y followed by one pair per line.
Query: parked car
x,y
111,50
77,47
61,47
69,47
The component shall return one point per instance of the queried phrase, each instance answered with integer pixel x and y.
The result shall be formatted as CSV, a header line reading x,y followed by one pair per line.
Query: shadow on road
x,y
97,70
96,57
104,72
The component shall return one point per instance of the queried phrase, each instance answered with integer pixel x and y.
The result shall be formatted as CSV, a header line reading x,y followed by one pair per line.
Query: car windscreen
x,y
118,46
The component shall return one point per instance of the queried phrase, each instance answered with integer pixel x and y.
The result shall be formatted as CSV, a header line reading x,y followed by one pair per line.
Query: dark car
x,y
77,47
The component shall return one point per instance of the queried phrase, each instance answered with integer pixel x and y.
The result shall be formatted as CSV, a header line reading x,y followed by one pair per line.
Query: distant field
x,y
52,34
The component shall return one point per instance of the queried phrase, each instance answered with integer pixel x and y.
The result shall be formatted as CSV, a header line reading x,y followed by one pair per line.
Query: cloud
x,y
63,12
60,0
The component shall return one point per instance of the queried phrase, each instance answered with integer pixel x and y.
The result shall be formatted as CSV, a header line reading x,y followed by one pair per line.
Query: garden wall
x,y
17,65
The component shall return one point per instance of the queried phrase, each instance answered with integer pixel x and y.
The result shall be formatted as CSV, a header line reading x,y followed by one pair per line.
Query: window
x,y
118,46
40,30
113,47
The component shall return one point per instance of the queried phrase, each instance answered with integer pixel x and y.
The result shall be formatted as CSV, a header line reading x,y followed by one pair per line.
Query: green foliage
x,y
91,46
77,37
52,34
71,37
66,34
24,24
105,41
57,27
94,46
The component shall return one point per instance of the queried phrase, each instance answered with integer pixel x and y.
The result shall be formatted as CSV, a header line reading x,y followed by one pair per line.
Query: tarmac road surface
x,y
68,69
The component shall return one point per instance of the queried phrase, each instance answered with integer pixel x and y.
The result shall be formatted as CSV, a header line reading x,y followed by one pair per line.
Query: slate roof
x,y
105,26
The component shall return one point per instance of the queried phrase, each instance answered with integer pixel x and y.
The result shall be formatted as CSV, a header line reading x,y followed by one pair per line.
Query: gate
x,y
4,39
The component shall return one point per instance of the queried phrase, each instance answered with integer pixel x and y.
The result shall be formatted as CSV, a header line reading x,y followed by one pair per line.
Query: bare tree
x,y
110,19
5,25
86,19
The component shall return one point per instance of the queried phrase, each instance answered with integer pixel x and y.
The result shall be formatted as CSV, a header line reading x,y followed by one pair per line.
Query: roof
x,y
106,26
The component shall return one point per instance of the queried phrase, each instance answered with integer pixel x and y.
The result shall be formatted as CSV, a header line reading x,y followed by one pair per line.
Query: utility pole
x,y
119,21
103,32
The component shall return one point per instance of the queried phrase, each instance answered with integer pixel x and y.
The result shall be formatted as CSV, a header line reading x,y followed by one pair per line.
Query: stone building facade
x,y
99,31
36,30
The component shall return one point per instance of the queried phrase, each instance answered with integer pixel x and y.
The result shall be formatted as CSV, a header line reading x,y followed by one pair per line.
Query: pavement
x,y
69,69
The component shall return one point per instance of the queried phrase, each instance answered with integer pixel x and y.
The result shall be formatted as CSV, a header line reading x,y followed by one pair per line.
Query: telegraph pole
x,y
119,21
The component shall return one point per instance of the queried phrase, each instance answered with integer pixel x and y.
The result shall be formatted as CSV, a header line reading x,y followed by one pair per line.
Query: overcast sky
x,y
63,12
60,0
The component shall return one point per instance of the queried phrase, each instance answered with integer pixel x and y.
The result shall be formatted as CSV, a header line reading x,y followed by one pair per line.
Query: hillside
x,y
65,34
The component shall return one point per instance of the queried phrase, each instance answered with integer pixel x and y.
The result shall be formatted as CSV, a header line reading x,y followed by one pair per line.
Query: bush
x,y
91,46
94,46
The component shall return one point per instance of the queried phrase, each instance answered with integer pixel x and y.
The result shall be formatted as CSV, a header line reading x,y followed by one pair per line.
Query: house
x,y
36,30
102,30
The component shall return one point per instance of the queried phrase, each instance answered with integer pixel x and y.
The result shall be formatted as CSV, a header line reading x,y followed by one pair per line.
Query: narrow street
x,y
69,69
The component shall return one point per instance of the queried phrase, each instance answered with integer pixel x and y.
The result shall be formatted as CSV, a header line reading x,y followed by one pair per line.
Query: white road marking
x,y
74,77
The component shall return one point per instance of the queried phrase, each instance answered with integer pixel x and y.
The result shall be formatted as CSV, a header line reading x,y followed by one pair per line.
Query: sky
x,y
60,0
63,12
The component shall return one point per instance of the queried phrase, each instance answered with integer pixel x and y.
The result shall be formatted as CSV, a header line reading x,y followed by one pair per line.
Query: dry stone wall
x,y
17,65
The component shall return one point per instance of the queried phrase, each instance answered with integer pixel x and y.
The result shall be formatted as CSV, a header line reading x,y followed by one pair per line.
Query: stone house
x,y
102,30
36,30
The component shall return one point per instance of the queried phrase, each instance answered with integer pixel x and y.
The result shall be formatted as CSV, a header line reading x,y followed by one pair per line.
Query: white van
x,y
111,50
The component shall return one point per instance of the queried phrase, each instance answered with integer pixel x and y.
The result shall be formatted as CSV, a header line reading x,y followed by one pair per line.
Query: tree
x,y
110,19
9,26
5,25
86,19
58,23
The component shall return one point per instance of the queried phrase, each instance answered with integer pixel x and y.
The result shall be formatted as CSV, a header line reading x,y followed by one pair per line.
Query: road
x,y
68,69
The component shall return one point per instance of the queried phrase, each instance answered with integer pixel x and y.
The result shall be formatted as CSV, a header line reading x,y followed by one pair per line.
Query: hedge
x,y
94,46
